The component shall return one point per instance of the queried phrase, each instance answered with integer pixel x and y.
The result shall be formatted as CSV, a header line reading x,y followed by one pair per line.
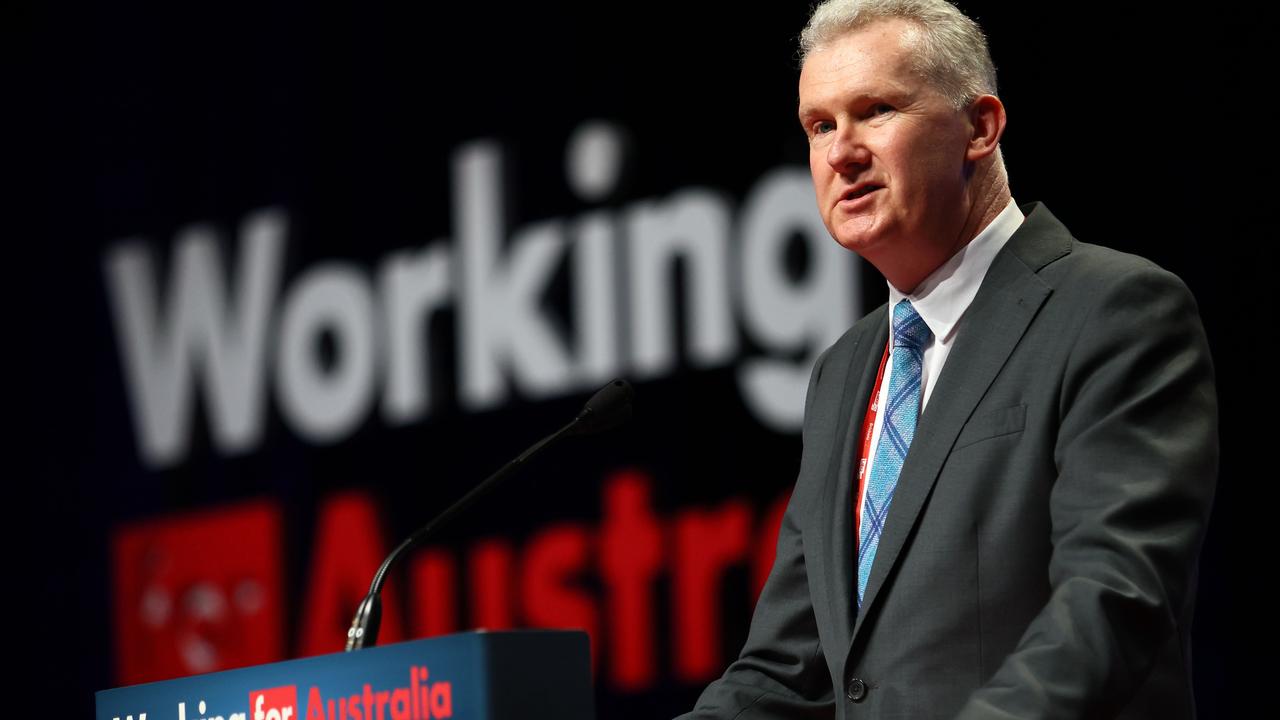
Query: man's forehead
x,y
866,62
850,85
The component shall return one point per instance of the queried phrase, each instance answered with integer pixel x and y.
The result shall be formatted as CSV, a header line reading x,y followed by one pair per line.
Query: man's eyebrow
x,y
888,95
805,111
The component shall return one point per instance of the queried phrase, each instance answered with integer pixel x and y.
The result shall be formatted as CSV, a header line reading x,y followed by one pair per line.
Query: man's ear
x,y
987,118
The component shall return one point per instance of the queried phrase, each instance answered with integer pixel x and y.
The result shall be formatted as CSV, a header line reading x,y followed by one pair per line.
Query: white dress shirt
x,y
941,300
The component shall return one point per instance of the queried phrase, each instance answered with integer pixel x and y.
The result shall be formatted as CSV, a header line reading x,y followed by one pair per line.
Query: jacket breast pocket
x,y
992,424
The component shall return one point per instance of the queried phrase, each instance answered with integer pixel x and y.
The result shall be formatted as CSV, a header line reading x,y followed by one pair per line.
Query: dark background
x,y
137,120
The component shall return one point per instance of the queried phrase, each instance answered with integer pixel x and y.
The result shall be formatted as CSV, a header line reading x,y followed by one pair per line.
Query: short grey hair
x,y
951,50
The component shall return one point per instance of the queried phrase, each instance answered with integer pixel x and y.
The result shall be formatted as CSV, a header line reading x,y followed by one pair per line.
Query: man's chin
x,y
861,241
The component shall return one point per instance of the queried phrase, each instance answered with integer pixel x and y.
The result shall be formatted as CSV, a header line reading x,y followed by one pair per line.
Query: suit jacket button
x,y
857,690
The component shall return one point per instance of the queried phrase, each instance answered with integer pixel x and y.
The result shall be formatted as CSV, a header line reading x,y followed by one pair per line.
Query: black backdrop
x,y
143,120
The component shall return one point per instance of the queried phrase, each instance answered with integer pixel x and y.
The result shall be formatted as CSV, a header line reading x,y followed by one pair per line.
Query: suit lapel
x,y
836,542
1009,298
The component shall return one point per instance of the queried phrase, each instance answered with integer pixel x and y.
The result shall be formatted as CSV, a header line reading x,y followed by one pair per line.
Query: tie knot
x,y
909,330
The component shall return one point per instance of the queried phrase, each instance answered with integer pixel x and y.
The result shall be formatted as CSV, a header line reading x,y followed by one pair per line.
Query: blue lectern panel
x,y
471,676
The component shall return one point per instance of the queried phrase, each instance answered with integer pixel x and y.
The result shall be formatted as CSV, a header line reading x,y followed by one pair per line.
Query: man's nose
x,y
847,150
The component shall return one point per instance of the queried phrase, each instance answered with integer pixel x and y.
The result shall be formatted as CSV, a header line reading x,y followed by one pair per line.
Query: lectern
x,y
523,674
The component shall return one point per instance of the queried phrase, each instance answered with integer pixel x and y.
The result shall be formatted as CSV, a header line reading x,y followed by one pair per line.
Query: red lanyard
x,y
868,429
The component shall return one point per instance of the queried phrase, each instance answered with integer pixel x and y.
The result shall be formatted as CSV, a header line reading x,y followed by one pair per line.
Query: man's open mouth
x,y
860,191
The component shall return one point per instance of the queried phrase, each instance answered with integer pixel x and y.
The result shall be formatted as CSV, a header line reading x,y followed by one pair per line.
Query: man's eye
x,y
881,108
823,126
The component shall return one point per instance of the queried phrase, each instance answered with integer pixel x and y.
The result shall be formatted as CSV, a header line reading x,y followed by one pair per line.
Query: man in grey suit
x,y
999,512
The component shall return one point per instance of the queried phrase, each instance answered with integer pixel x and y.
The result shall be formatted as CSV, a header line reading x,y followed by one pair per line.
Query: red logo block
x,y
275,704
197,593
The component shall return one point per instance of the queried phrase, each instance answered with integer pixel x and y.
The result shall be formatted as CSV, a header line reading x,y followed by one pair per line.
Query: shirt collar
x,y
945,294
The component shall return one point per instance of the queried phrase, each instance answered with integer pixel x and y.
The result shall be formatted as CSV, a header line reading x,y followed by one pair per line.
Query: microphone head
x,y
607,409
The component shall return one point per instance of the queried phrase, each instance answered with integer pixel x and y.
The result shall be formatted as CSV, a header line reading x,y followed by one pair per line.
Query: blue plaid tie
x,y
900,414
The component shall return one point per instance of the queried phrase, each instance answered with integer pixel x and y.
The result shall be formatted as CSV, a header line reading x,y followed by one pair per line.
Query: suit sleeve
x,y
1136,458
781,671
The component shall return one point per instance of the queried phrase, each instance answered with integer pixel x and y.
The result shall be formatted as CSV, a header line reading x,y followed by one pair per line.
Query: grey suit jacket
x,y
1039,556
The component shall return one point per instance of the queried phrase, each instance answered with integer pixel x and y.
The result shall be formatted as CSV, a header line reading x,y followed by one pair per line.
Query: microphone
x,y
607,409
